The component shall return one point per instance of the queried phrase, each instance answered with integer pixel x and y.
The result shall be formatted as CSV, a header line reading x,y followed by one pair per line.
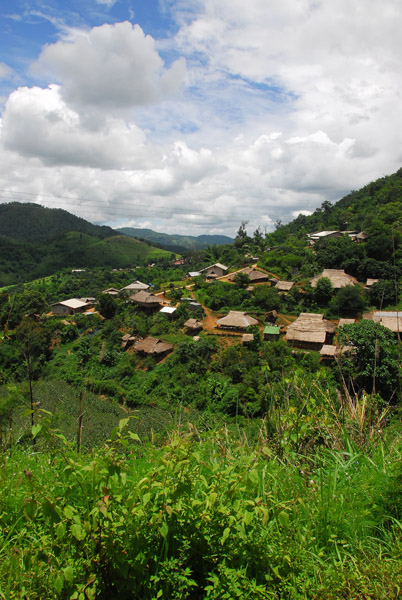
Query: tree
x,y
349,301
242,279
373,364
323,291
241,238
384,292
266,298
107,306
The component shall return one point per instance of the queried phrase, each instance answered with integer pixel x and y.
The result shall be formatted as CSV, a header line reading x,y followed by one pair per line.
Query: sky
x,y
191,116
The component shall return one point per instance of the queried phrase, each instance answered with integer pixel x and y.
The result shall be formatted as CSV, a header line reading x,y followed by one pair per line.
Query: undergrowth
x,y
206,515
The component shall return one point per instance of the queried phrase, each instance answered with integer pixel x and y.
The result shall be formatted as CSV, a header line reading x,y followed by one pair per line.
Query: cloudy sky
x,y
190,116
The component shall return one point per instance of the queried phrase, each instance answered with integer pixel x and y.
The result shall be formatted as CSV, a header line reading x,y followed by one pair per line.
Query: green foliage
x,y
323,291
384,293
242,279
372,365
107,306
209,515
349,301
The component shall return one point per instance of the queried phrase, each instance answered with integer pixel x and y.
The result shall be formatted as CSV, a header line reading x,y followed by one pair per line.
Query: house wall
x,y
60,309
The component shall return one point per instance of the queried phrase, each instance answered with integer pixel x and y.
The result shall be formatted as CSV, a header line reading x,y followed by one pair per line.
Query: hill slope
x,y
176,243
36,241
27,222
380,201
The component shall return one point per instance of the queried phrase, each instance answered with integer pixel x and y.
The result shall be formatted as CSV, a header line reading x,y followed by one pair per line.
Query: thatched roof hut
x,y
152,346
284,286
193,324
146,299
337,277
310,331
390,319
135,286
236,320
254,275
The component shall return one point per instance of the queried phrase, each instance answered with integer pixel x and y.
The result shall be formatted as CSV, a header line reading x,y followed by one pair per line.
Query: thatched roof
x,y
390,319
145,298
247,338
328,350
371,282
338,278
309,327
219,265
193,324
284,286
254,274
135,286
151,345
237,320
127,340
343,322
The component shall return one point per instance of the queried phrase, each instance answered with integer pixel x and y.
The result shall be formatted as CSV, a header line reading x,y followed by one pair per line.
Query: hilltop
x,y
28,222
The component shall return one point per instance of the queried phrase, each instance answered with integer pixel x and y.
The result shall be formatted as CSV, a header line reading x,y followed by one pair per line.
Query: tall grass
x,y
207,515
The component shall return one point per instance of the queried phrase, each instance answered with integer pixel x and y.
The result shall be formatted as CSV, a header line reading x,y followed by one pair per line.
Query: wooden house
x,y
310,331
254,275
271,332
70,307
146,300
215,271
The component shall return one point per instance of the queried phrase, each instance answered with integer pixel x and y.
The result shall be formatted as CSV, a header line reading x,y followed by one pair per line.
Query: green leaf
x,y
283,519
78,532
69,512
134,436
123,423
225,535
58,583
60,531
49,510
164,530
36,429
68,573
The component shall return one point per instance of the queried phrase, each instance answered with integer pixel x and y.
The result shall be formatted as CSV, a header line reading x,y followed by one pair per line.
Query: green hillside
x,y
21,261
28,222
175,242
379,202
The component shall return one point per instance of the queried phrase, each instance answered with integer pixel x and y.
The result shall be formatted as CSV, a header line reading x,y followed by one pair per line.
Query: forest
x,y
221,469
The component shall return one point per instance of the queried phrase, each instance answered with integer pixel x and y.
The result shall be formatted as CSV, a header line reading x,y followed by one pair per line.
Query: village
x,y
308,331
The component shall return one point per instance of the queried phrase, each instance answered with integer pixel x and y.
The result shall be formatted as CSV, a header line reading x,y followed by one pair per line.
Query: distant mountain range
x,y
175,242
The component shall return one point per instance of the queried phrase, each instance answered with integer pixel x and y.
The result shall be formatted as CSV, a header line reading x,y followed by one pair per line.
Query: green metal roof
x,y
272,329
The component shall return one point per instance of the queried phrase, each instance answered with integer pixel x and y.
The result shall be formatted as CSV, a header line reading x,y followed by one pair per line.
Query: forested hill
x,y
28,222
376,204
37,241
177,243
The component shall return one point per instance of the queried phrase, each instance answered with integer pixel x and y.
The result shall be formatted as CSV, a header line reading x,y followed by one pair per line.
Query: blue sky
x,y
191,116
